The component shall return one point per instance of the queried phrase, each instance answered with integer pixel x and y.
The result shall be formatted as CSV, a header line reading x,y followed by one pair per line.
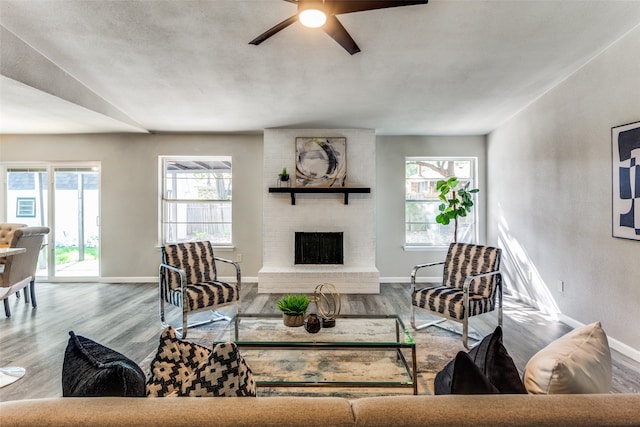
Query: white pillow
x,y
578,362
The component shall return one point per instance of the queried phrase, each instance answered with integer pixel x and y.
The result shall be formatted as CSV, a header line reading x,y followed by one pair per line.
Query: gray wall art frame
x,y
625,155
321,162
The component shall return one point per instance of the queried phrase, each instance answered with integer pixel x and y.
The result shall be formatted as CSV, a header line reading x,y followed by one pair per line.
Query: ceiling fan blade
x,y
271,31
347,6
334,28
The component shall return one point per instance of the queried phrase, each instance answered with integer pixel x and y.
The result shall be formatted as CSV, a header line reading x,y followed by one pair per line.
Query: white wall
x,y
550,195
393,261
129,193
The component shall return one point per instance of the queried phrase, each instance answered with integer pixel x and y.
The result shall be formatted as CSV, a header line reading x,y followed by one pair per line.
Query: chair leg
x,y
184,324
7,309
26,295
161,309
413,316
424,325
428,324
465,332
32,291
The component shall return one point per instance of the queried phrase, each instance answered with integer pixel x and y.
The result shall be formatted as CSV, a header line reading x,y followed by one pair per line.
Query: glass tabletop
x,y
266,330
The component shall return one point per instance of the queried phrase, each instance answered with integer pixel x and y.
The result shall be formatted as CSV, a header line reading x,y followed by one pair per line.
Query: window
x,y
196,199
26,207
421,200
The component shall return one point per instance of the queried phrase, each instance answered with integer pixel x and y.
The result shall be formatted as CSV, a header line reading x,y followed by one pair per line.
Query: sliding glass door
x,y
66,199
76,219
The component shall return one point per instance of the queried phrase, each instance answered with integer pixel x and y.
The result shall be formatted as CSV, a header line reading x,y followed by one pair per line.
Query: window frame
x,y
164,202
25,202
474,223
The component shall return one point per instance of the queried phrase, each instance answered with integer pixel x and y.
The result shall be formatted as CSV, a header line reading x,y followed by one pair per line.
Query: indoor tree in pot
x,y
293,307
457,202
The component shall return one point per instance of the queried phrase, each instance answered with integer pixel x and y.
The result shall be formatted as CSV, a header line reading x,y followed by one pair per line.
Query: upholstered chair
x,y
188,279
470,286
20,269
6,232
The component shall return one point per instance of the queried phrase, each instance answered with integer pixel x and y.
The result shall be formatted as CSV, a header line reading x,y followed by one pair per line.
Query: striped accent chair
x,y
471,284
188,279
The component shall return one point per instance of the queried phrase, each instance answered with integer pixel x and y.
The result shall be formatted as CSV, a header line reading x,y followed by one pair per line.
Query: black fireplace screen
x,y
319,248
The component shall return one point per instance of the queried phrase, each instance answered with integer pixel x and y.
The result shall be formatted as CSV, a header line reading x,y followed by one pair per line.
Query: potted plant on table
x,y
457,202
293,307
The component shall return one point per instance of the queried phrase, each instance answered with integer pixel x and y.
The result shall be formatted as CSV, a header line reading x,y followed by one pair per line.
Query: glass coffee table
x,y
360,351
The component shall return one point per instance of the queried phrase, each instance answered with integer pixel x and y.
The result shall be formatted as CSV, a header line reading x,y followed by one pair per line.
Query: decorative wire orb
x,y
327,300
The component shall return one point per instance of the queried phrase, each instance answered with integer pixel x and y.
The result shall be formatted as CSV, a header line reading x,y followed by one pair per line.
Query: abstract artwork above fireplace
x,y
321,162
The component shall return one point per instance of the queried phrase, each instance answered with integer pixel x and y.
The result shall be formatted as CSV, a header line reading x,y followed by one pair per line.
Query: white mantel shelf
x,y
319,190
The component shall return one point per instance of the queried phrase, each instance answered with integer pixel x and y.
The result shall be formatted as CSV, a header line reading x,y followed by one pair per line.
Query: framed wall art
x,y
625,154
321,162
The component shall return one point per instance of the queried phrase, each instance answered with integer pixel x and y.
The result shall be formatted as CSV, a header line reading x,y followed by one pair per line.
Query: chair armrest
x,y
235,264
162,281
414,272
181,273
469,279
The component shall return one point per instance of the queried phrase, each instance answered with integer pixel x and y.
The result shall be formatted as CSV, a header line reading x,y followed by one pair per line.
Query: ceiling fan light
x,y
312,18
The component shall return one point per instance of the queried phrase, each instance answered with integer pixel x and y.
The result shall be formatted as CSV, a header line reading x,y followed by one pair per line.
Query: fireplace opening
x,y
319,248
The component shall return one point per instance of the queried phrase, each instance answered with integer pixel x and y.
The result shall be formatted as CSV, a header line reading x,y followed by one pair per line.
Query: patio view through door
x,y
72,214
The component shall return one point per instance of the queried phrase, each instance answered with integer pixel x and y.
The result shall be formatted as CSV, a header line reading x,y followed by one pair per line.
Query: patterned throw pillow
x,y
182,368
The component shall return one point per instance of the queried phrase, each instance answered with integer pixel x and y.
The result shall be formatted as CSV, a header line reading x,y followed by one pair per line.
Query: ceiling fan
x,y
322,14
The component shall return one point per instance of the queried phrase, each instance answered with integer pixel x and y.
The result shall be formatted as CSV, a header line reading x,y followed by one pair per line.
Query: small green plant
x,y
284,175
457,202
293,304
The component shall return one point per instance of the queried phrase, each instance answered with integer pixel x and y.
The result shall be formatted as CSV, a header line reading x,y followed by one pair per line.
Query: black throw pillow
x,y
496,364
92,370
462,376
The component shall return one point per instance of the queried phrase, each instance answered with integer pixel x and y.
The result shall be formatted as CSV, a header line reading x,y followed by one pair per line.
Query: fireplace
x,y
354,271
319,248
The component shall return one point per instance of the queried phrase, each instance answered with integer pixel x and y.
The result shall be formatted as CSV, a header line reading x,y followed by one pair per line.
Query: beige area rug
x,y
435,347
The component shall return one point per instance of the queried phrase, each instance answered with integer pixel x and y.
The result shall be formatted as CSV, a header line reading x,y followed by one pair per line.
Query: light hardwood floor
x,y
125,318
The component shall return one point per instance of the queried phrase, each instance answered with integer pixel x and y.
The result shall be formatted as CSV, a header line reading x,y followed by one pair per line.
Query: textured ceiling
x,y
448,67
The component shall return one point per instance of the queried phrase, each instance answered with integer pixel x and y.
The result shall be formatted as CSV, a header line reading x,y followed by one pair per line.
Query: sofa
x,y
450,410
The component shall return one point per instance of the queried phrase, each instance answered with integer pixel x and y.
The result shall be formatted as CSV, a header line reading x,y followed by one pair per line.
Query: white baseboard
x,y
407,279
244,279
80,279
143,279
150,279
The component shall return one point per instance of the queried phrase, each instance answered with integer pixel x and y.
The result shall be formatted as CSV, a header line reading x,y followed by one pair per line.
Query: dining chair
x,y
20,270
